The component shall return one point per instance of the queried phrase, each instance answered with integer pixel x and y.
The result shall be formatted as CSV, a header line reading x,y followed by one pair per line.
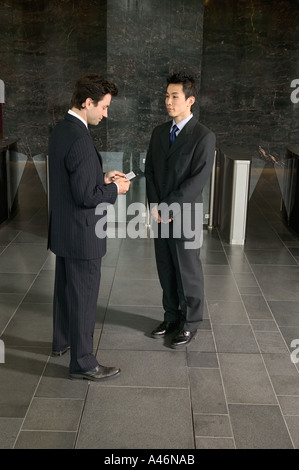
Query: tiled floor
x,y
234,387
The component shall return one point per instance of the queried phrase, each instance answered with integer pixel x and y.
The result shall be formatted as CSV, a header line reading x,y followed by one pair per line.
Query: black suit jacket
x,y
76,187
178,174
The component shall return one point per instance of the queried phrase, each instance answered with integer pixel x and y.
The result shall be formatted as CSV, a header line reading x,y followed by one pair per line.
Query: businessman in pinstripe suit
x,y
77,185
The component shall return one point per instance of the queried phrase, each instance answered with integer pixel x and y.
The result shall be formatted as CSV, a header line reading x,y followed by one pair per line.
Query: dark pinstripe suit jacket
x,y
76,187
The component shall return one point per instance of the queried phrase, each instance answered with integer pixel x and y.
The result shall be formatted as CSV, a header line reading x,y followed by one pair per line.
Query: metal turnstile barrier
x,y
232,179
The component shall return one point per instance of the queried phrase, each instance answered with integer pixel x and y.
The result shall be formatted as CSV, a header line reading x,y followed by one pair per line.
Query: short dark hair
x,y
188,82
93,86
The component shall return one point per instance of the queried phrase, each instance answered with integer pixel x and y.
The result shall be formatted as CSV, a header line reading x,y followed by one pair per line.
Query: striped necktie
x,y
172,134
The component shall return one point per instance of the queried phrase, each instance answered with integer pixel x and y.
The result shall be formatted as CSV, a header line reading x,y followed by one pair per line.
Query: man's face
x,y
96,113
178,107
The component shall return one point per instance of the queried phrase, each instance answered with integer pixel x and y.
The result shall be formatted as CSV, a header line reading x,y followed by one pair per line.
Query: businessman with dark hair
x,y
178,165
77,185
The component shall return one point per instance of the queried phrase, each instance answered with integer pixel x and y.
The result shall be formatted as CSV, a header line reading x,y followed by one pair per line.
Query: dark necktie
x,y
172,135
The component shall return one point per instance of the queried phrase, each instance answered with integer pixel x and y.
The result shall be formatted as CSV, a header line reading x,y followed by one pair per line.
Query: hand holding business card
x,y
130,175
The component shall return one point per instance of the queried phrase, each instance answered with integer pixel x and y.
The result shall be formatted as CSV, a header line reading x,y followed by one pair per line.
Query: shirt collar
x,y
182,123
77,116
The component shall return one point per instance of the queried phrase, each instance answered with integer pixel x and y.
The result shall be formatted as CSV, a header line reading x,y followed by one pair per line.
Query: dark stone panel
x,y
45,45
244,60
146,41
250,57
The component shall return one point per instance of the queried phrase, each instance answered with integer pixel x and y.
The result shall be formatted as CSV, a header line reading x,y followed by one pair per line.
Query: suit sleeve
x,y
86,176
151,191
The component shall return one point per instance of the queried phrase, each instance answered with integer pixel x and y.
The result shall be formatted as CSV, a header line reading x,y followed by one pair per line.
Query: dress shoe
x,y
163,329
97,374
182,338
60,353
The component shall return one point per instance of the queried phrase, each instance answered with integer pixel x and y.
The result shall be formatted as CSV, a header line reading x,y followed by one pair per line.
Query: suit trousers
x,y
76,291
181,278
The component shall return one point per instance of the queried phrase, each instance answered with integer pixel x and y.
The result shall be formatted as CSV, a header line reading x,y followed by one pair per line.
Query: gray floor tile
x,y
256,307
212,425
19,378
7,235
271,342
238,262
147,368
212,241
285,312
57,414
55,382
138,269
245,379
45,440
289,404
264,325
140,292
136,249
33,234
107,275
294,251
226,312
290,334
30,326
278,282
250,290
17,283
235,338
130,328
293,427
9,429
245,280
203,342
216,270
259,427
23,258
136,418
221,288
111,257
214,443
280,256
42,289
213,257
207,392
283,373
8,305
202,359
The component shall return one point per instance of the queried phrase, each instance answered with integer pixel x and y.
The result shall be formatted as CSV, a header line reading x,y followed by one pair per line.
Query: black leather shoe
x,y
163,329
97,374
182,338
60,353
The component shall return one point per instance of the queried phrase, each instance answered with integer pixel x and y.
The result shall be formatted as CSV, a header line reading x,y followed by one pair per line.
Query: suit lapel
x,y
165,138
